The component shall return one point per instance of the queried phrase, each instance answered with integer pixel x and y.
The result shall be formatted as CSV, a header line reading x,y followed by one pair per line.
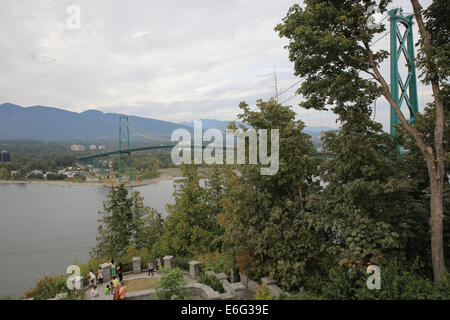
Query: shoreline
x,y
165,174
162,177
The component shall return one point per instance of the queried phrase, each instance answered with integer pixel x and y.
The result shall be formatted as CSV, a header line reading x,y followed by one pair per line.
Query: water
x,y
44,228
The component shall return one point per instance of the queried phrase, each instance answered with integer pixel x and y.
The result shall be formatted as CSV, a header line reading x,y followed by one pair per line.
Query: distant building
x,y
5,156
77,147
101,147
92,147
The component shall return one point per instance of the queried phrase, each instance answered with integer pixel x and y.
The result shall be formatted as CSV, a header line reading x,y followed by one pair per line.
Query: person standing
x,y
100,275
122,291
119,271
111,288
150,268
113,268
115,282
116,295
159,264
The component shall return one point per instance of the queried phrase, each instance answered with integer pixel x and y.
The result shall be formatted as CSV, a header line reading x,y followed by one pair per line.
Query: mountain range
x,y
54,124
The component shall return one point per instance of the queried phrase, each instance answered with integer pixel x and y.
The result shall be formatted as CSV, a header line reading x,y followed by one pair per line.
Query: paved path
x,y
126,277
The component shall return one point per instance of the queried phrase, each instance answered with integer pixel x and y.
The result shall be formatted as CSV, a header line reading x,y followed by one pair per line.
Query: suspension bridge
x,y
125,161
401,44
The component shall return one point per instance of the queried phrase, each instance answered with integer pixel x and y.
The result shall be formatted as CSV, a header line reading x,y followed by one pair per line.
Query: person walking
x,y
150,268
156,264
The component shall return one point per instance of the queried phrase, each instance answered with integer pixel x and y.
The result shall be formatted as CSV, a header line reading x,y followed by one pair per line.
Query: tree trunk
x,y
436,167
437,219
433,158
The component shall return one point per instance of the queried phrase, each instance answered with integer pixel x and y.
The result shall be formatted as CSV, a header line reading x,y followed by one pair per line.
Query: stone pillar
x,y
168,261
106,271
244,280
136,264
233,275
194,269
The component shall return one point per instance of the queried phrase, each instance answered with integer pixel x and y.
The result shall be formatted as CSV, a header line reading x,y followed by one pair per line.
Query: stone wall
x,y
269,282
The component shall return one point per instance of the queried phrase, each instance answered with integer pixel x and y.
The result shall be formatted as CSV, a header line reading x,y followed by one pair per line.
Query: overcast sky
x,y
172,60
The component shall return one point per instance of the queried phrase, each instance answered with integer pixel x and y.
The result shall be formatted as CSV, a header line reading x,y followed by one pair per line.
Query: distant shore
x,y
165,174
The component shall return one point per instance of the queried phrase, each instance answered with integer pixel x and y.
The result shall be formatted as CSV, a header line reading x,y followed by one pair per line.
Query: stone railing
x,y
249,284
233,290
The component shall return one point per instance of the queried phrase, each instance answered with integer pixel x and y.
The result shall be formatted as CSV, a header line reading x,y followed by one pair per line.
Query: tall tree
x,y
146,225
191,227
363,204
332,48
124,222
265,220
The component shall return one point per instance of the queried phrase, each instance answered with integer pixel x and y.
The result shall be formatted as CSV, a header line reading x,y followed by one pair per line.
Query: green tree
x,y
330,45
266,223
191,227
146,225
4,174
115,223
362,207
126,222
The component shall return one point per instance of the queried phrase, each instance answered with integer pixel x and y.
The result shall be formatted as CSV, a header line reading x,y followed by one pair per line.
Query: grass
x,y
140,284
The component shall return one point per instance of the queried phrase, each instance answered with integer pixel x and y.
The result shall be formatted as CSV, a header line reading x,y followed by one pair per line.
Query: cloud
x,y
171,60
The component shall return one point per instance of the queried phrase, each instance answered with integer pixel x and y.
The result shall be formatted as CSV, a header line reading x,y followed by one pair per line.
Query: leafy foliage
x,y
191,226
211,281
216,261
48,287
125,222
262,292
267,226
171,285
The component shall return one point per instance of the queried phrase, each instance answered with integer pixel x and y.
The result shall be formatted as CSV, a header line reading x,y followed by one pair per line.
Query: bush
x,y
48,288
171,285
298,296
398,284
181,262
211,281
216,261
262,292
340,285
444,288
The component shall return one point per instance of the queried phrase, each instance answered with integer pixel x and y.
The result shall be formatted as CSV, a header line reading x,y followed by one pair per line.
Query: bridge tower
x,y
402,43
124,144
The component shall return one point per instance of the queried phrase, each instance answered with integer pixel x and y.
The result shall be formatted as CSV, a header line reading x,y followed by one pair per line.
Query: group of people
x,y
151,266
116,287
